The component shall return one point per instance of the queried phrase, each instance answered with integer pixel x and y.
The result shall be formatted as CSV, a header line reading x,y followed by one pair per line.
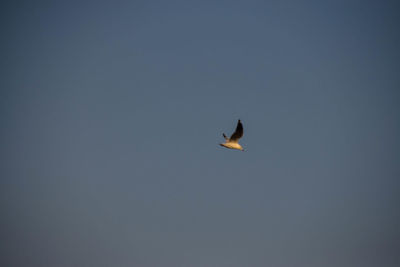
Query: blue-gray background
x,y
111,115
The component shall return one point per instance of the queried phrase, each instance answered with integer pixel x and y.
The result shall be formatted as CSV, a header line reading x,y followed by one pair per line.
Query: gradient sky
x,y
112,111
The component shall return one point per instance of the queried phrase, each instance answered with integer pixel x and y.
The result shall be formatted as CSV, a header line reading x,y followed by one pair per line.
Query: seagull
x,y
232,142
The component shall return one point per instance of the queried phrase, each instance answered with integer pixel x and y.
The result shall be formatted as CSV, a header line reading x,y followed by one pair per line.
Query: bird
x,y
232,142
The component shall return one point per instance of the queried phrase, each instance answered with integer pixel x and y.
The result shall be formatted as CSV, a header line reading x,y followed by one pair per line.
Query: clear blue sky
x,y
112,111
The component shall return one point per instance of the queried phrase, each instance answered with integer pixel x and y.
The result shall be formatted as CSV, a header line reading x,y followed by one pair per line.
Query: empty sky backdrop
x,y
112,111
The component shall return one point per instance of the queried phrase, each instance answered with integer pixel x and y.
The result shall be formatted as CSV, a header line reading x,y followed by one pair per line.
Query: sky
x,y
112,112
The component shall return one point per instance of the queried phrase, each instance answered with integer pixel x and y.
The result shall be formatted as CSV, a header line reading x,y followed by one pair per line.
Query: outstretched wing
x,y
238,132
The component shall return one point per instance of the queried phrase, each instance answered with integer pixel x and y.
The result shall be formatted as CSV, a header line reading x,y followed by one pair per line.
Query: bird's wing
x,y
238,132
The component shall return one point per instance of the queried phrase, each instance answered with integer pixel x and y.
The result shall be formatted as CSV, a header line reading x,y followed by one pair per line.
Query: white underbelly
x,y
232,145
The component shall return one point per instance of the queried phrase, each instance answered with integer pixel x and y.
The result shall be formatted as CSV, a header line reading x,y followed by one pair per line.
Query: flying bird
x,y
232,142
